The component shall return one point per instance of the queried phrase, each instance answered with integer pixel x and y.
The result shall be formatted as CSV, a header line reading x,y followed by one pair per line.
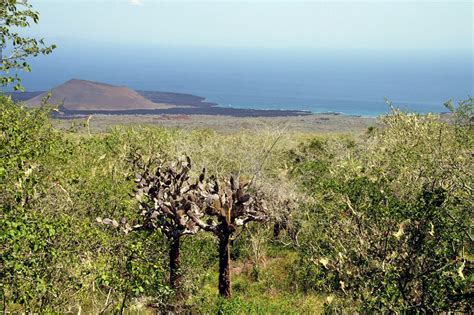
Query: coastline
x,y
191,105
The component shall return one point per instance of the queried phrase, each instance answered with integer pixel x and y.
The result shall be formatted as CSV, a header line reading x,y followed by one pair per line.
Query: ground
x,y
320,123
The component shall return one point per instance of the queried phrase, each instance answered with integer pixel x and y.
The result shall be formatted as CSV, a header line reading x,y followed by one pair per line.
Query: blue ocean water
x,y
349,82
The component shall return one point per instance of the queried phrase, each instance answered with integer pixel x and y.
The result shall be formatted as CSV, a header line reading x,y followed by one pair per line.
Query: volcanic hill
x,y
81,95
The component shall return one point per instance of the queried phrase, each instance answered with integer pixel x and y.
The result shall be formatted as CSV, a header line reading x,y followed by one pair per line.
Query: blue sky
x,y
264,53
285,24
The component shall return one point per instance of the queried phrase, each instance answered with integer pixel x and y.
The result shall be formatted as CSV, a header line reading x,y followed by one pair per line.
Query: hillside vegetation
x,y
378,222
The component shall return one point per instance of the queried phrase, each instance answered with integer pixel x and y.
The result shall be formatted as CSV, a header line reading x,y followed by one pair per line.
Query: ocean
x,y
348,82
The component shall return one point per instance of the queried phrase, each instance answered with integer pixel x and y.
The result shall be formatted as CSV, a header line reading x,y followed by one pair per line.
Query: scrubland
x,y
377,220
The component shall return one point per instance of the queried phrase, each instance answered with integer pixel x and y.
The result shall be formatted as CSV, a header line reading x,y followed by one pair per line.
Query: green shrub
x,y
390,226
53,187
33,248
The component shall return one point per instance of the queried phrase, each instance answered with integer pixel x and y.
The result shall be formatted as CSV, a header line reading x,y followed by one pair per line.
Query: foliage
x,y
14,47
52,189
378,222
32,246
392,217
67,181
463,113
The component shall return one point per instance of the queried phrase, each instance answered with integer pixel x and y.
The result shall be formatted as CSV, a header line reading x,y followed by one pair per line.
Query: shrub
x,y
390,225
33,249
53,186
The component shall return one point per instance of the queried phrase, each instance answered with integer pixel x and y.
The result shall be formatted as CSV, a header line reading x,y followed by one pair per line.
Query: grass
x,y
263,289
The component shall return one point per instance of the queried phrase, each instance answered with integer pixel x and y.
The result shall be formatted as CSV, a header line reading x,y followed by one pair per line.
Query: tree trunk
x,y
124,300
224,265
276,230
175,265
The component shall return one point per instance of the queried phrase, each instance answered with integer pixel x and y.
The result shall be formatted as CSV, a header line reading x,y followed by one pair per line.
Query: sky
x,y
285,24
267,53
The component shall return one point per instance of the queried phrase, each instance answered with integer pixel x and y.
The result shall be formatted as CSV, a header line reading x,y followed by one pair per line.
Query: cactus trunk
x,y
224,265
175,264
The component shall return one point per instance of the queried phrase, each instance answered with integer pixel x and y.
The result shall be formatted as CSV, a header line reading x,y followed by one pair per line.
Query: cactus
x,y
165,198
169,202
227,207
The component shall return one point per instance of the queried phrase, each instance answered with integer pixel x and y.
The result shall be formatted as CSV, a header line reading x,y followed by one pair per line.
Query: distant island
x,y
81,97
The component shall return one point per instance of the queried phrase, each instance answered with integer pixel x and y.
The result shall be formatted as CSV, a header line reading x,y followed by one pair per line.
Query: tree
x,y
227,207
14,47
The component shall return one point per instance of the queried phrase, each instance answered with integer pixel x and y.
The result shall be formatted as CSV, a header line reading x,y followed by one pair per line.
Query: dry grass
x,y
320,123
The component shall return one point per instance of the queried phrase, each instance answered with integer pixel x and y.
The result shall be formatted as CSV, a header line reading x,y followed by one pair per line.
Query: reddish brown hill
x,y
86,95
